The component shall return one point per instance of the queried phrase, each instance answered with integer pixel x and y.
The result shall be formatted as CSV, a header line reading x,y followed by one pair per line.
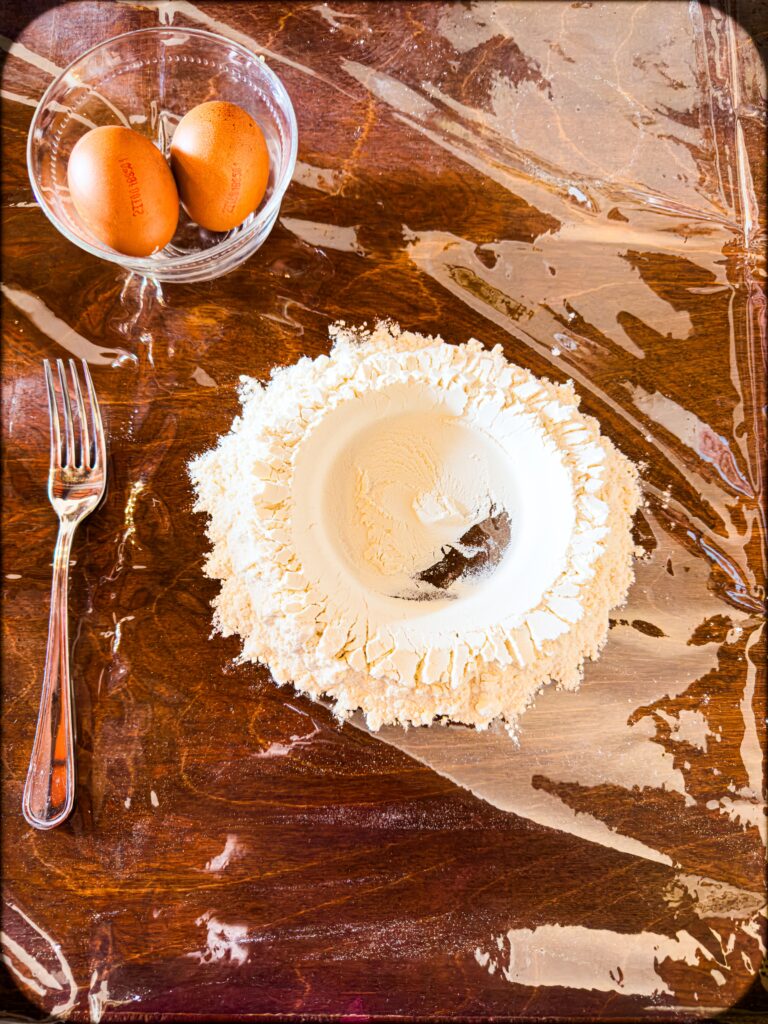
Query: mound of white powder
x,y
420,530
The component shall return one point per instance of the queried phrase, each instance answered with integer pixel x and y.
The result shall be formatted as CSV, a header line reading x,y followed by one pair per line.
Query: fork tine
x,y
69,431
100,448
85,458
53,414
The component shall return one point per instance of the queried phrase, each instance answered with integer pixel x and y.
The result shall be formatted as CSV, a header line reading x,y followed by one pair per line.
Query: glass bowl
x,y
147,80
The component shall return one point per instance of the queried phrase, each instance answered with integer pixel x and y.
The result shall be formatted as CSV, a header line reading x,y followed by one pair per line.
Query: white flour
x,y
420,530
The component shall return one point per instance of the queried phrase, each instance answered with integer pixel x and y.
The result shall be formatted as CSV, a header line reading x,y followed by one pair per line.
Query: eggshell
x,y
123,190
220,160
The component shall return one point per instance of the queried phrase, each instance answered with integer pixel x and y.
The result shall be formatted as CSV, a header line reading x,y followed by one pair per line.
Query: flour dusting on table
x,y
420,530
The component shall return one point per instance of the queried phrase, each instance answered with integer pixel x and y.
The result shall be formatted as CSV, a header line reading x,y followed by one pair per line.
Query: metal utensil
x,y
76,481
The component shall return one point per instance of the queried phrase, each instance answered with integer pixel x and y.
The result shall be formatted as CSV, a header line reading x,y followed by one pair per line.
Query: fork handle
x,y
49,792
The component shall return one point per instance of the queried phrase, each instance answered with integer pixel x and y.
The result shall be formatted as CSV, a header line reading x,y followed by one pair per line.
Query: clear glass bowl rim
x,y
148,266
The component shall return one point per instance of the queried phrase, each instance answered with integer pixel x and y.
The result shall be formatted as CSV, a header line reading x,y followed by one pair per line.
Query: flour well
x,y
420,530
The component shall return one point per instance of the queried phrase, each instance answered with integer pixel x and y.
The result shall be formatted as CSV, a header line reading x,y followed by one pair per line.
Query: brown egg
x,y
221,164
123,190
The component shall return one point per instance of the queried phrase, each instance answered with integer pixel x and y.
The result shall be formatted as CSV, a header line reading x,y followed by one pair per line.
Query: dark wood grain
x,y
584,185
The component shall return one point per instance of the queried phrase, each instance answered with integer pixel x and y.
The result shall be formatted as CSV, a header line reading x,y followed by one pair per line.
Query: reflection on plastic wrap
x,y
640,239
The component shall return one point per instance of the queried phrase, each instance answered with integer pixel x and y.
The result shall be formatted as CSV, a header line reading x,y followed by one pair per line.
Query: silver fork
x,y
76,481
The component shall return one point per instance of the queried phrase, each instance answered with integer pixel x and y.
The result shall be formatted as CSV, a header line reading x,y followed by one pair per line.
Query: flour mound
x,y
420,530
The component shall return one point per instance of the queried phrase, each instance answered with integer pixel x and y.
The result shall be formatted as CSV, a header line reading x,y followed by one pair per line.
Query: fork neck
x,y
67,529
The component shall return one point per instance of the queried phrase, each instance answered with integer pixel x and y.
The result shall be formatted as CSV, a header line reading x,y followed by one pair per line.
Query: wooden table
x,y
583,184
